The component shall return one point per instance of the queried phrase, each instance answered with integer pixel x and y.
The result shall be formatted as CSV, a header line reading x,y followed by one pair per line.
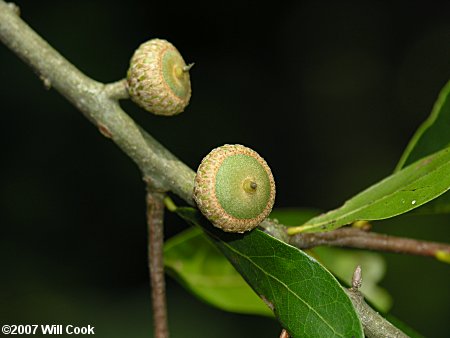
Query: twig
x,y
375,326
155,217
117,90
98,102
357,238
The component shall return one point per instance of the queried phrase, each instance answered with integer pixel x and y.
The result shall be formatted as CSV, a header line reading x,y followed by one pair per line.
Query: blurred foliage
x,y
329,93
201,268
305,297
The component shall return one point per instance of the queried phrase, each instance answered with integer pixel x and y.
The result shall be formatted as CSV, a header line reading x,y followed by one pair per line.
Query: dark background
x,y
328,93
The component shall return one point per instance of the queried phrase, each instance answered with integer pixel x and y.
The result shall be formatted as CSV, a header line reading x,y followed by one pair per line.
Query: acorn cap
x,y
234,188
158,78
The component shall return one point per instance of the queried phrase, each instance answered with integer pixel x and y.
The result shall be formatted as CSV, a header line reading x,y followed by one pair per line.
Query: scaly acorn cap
x,y
234,188
158,78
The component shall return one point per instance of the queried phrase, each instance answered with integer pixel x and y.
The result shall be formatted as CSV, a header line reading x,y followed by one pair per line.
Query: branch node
x,y
46,81
357,278
153,185
14,8
104,130
117,90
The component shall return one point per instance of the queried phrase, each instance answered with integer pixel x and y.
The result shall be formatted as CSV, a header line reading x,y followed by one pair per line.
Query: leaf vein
x,y
284,284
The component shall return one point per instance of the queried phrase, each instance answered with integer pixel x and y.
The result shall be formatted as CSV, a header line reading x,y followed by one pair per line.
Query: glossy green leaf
x,y
433,135
201,268
307,300
403,191
342,262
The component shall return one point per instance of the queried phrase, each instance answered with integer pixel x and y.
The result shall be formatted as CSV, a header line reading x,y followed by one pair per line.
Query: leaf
x,y
342,262
307,300
431,136
200,267
403,191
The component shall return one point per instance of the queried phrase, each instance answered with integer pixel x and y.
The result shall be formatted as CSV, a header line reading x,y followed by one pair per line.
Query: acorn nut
x,y
158,78
234,188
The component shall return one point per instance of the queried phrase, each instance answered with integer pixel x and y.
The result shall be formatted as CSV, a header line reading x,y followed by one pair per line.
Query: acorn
x,y
158,78
234,188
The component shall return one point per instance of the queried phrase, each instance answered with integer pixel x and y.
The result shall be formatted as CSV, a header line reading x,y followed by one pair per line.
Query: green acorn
x,y
234,188
158,78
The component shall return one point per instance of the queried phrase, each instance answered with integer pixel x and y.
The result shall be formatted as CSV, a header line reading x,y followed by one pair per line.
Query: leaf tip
x,y
443,256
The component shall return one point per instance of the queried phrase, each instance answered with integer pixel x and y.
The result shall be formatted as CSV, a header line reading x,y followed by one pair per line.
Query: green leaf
x,y
201,268
403,191
307,300
433,135
342,262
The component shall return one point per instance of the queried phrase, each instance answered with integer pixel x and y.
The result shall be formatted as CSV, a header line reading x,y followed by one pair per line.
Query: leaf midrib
x,y
282,283
310,225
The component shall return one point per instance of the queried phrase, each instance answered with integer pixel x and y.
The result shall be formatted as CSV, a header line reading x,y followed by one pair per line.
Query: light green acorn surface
x,y
234,188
